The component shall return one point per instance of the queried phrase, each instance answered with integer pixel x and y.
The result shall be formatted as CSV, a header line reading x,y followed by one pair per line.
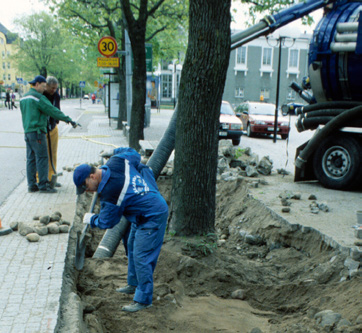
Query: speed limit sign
x,y
107,46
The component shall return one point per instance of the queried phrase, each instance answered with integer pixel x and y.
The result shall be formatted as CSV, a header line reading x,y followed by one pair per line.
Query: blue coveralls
x,y
129,188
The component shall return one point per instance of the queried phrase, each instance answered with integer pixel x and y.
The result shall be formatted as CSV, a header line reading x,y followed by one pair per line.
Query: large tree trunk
x,y
201,89
121,73
138,87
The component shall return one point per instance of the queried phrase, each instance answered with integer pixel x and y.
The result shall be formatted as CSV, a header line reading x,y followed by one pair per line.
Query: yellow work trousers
x,y
54,147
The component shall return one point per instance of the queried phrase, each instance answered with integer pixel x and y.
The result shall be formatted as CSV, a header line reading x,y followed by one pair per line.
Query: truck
x,y
332,91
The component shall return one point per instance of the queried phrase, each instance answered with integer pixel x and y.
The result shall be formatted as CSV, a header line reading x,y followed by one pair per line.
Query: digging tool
x,y
82,238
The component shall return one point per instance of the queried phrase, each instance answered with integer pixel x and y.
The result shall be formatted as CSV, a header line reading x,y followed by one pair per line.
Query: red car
x,y
258,118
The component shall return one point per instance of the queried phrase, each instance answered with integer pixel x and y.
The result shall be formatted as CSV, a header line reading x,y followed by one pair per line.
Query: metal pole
x,y
277,97
128,50
80,101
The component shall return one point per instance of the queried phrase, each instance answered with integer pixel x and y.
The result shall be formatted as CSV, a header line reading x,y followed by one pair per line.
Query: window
x,y
267,56
8,65
264,94
166,85
291,95
8,53
241,55
4,65
293,62
9,77
239,92
293,58
3,54
4,77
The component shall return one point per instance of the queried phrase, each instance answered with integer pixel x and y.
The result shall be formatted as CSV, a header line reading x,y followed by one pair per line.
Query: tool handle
x,y
93,203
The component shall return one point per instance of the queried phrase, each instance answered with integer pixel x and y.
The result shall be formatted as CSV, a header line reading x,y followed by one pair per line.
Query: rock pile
x,y
52,224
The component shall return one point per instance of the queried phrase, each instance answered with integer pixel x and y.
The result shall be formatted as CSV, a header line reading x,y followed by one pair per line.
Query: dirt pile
x,y
257,274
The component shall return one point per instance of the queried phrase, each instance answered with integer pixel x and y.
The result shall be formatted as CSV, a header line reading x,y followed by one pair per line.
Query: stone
x,y
169,172
33,237
44,219
41,231
282,172
63,222
327,318
14,226
251,171
63,229
239,294
25,229
285,202
358,233
323,207
54,218
312,197
296,196
355,253
57,213
351,264
36,217
286,210
265,166
221,242
359,320
358,243
53,228
222,165
256,330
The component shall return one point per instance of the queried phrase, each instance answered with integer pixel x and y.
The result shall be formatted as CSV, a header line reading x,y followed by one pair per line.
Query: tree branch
x,y
155,7
87,21
155,33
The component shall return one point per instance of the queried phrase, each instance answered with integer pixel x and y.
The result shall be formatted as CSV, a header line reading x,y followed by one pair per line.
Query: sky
x,y
17,8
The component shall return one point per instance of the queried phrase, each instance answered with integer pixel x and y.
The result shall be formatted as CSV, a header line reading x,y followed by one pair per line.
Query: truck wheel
x,y
236,142
284,136
337,163
249,133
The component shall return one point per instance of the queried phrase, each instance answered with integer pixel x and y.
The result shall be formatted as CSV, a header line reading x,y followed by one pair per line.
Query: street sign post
x,y
81,85
19,80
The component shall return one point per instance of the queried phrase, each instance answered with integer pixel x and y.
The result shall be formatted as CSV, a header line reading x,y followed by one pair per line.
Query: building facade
x,y
253,69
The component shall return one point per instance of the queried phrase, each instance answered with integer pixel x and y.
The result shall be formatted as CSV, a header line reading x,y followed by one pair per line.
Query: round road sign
x,y
107,46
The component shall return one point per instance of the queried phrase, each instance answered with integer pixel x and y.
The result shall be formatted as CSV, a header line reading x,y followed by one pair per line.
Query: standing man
x,y
35,109
7,99
153,96
53,134
127,187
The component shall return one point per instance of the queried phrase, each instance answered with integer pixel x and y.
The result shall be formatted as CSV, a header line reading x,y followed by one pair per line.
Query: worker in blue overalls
x,y
127,187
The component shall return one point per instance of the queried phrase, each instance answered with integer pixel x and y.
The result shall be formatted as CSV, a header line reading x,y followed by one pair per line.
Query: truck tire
x,y
337,163
249,133
236,142
284,136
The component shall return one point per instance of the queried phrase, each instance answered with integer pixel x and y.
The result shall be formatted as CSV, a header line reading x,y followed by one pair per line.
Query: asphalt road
x,y
12,144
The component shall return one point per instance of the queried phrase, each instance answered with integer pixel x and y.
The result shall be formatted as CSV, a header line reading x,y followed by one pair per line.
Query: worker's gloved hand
x,y
87,218
74,124
107,153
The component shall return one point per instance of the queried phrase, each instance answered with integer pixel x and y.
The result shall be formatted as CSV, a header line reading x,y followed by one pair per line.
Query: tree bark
x,y
201,88
121,73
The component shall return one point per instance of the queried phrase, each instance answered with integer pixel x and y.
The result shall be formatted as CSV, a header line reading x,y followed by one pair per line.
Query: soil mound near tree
x,y
257,274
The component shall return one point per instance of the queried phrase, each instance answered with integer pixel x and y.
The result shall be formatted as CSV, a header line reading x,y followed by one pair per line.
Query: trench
x,y
283,275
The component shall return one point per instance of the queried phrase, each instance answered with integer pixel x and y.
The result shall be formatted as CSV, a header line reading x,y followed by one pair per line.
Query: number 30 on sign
x,y
107,46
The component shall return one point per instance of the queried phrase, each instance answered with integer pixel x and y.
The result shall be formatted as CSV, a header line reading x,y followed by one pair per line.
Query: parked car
x,y
230,125
86,97
258,118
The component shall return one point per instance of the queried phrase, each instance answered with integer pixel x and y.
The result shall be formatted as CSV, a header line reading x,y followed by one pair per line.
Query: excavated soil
x,y
284,275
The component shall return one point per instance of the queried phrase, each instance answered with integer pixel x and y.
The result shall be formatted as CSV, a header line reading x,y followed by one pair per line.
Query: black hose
x,y
112,237
304,124
344,118
323,113
330,105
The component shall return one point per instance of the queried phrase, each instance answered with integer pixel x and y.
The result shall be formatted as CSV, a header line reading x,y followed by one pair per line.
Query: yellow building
x,y
8,70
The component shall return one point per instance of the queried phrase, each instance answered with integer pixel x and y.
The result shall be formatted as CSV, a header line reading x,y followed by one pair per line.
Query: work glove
x,y
87,218
74,124
107,153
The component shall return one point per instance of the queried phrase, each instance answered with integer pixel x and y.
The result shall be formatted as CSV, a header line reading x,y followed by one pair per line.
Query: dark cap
x,y
38,79
81,173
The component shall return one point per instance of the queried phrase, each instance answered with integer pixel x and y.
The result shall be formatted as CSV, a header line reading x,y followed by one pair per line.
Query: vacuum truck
x,y
332,91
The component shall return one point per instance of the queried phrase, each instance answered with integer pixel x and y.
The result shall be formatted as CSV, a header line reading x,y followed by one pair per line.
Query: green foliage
x,y
204,245
239,152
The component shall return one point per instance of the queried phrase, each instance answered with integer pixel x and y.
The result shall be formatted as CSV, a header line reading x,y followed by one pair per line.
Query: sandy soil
x,y
284,275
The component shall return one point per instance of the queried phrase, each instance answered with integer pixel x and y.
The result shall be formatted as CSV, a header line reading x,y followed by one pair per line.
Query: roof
x,y
10,37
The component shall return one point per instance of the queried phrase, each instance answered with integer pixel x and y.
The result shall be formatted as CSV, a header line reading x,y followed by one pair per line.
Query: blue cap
x,y
38,79
81,173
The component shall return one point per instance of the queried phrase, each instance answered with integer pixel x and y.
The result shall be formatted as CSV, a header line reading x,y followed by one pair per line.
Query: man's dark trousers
x,y
36,159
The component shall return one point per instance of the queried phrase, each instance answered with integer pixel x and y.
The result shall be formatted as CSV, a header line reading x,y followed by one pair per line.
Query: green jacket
x,y
35,109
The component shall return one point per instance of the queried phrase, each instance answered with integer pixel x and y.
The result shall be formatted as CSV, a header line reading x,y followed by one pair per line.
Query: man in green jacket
x,y
35,109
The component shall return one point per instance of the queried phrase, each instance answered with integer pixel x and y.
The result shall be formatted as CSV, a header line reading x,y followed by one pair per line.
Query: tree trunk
x,y
137,38
122,111
201,88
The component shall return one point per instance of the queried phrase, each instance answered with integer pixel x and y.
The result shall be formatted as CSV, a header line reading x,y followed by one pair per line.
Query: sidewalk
x,y
31,274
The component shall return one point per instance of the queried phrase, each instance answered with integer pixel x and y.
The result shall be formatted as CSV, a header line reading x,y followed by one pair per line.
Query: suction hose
x,y
328,105
334,124
112,237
